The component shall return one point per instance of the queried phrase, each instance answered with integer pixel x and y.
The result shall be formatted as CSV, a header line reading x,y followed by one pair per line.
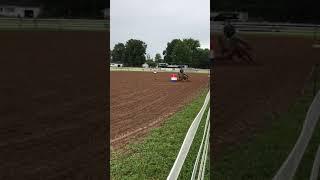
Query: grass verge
x,y
262,157
153,157
299,34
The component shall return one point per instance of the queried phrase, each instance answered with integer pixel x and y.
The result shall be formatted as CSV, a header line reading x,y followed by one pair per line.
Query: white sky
x,y
158,22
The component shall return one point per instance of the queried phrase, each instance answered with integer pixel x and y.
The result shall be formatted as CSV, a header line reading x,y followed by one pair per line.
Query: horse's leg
x,y
222,45
248,57
244,55
232,52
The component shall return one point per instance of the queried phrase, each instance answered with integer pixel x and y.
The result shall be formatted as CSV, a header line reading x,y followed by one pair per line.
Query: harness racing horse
x,y
235,47
183,77
232,46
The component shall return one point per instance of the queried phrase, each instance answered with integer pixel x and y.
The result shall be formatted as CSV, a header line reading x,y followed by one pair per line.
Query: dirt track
x,y
141,100
244,95
53,103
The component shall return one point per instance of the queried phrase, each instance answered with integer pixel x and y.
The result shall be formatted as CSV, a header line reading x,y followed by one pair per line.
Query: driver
x,y
233,45
181,73
181,70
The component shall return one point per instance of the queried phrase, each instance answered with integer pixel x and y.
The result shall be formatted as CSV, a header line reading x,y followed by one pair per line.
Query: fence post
x,y
185,147
290,165
316,164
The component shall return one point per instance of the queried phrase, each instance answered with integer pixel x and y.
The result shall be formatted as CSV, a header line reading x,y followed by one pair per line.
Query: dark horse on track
x,y
232,46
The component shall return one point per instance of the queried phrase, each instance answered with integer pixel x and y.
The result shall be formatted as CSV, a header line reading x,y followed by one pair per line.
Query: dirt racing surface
x,y
53,105
143,100
245,94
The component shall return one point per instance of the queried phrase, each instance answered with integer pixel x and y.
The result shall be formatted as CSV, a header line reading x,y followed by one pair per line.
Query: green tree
x,y
73,9
148,58
181,53
193,45
202,59
151,63
172,53
158,58
135,53
118,53
167,53
186,52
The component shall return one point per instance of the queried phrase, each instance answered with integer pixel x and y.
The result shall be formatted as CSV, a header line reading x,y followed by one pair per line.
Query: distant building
x,y
116,65
20,10
173,66
145,65
177,66
166,65
163,65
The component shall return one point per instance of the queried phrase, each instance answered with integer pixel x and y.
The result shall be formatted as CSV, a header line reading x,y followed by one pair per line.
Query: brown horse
x,y
183,77
235,47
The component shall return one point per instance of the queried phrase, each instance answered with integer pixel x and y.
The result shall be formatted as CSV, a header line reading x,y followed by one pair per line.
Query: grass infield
x,y
263,155
153,157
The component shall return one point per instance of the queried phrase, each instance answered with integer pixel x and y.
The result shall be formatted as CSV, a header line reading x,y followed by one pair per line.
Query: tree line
x,y
66,8
74,9
177,52
274,10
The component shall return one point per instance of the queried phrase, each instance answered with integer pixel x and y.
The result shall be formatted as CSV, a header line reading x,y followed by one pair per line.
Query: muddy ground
x,y
53,105
143,100
244,95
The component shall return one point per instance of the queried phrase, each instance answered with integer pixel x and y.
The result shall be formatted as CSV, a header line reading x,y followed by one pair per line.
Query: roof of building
x,y
116,63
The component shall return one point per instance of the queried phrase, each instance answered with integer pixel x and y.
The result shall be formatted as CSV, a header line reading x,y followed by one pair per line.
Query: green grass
x,y
301,34
263,155
153,157
304,34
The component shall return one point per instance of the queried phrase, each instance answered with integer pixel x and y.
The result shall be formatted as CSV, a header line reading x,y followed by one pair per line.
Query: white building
x,y
20,11
162,65
145,65
116,65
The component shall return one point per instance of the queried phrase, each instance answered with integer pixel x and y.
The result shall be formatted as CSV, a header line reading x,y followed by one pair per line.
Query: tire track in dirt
x,y
145,102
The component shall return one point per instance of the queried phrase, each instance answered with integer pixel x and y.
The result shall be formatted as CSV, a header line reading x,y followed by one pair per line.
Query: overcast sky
x,y
157,22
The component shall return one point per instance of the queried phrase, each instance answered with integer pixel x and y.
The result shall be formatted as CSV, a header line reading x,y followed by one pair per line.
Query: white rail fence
x,y
316,165
268,27
290,165
187,70
199,169
53,24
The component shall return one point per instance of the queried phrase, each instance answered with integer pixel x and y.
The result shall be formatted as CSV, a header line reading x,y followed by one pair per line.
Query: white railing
x,y
187,70
185,147
289,167
53,24
316,165
268,27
